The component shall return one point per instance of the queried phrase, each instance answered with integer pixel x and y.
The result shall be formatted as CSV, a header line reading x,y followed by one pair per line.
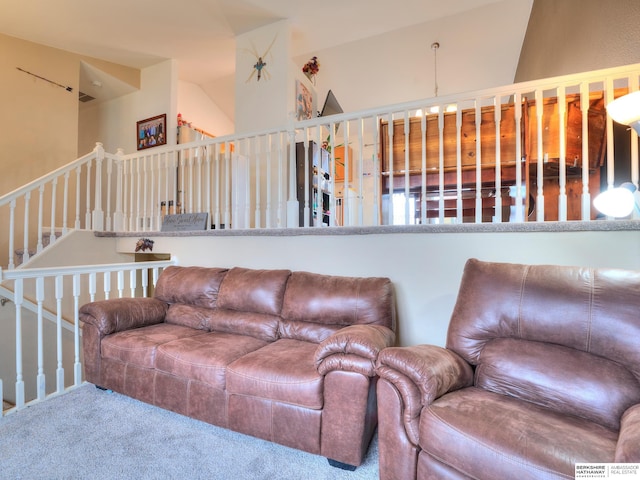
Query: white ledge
x,y
574,226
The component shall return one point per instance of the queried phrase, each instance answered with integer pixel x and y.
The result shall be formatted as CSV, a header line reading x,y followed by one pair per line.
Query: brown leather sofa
x,y
541,370
285,356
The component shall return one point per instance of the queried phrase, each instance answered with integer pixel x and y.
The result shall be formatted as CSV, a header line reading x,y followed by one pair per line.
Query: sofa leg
x,y
108,390
340,465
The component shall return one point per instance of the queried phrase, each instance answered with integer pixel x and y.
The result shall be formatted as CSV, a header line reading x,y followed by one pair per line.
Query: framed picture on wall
x,y
304,101
151,132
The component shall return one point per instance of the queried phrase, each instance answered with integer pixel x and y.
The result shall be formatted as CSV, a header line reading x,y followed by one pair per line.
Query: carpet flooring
x,y
92,434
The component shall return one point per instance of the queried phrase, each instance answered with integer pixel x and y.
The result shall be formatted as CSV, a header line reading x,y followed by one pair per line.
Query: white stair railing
x,y
55,295
483,156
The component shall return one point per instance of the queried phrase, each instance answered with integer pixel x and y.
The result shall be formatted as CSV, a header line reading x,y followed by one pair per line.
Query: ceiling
x,y
200,34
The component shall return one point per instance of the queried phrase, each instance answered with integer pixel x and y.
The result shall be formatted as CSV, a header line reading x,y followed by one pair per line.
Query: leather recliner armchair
x,y
541,371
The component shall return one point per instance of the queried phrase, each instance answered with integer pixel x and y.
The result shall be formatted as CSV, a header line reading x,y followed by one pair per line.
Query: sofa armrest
x,y
118,314
433,370
354,348
628,447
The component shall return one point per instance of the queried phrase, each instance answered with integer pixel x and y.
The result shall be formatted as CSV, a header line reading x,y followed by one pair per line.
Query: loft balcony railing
x,y
529,152
44,359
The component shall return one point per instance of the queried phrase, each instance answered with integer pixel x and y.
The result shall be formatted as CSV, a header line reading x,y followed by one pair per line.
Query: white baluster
x,y
376,172
562,196
227,185
59,287
267,213
97,216
39,246
293,219
137,226
407,178
18,299
118,215
255,142
198,179
145,198
92,286
12,212
109,217
40,379
519,214
280,215
87,215
609,95
360,169
441,164
391,167
145,281
78,188
65,205
423,166
478,115
120,278
208,182
540,163
585,208
133,282
77,366
307,179
25,246
54,190
107,285
497,109
216,185
459,206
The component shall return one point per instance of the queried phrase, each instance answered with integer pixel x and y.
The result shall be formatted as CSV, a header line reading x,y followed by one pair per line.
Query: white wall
x,y
263,104
425,268
198,108
115,120
478,49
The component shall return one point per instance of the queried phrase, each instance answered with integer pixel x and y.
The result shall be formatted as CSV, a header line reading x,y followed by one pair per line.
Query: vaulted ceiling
x,y
200,34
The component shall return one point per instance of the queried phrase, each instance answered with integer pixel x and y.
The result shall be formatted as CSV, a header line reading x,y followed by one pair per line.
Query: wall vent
x,y
83,97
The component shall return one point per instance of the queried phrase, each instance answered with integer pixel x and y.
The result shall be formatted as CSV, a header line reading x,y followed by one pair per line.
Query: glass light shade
x,y
616,202
626,110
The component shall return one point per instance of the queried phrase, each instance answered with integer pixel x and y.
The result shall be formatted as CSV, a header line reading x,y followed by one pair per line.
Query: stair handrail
x,y
44,179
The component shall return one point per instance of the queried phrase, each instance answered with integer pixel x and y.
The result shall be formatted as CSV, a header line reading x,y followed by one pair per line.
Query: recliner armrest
x,y
354,348
628,446
118,314
434,370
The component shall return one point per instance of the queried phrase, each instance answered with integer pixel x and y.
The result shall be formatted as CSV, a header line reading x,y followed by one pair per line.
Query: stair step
x,y
46,240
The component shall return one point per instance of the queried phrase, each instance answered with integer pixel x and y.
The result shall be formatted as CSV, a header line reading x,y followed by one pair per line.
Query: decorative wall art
x,y
152,132
260,67
304,102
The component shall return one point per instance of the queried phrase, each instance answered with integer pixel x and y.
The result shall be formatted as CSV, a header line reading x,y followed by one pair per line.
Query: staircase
x,y
32,251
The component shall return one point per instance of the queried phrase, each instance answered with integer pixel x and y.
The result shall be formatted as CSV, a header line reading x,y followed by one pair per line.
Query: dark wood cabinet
x,y
313,184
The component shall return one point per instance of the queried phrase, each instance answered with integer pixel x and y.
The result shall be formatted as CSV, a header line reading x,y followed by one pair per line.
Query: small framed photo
x,y
152,132
305,102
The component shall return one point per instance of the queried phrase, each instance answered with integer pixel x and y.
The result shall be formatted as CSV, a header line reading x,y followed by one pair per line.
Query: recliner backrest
x,y
562,337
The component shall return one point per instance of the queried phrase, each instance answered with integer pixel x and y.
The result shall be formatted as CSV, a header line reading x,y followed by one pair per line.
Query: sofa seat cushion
x,y
139,345
498,436
204,357
283,371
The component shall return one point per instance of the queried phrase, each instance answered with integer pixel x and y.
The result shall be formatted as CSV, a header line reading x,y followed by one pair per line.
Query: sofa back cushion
x,y
317,305
196,286
257,291
564,337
